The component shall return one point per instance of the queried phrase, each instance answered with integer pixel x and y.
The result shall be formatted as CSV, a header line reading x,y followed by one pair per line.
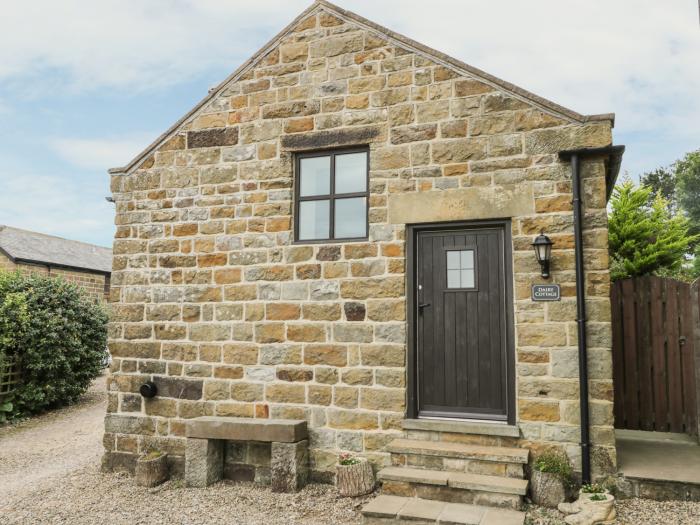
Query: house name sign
x,y
546,292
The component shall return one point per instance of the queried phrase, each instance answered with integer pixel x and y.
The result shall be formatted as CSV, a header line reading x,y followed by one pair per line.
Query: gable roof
x,y
397,39
38,248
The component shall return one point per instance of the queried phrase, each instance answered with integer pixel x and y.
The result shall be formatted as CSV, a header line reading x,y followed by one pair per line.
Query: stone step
x,y
396,509
462,431
455,487
459,451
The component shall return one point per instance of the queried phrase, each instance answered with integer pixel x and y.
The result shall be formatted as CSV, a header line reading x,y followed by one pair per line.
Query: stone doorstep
x,y
247,429
457,426
458,480
417,509
459,450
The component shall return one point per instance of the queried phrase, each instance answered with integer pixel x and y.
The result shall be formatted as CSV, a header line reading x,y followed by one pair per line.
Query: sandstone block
x,y
204,462
289,466
306,333
283,393
535,410
330,355
352,419
413,133
465,88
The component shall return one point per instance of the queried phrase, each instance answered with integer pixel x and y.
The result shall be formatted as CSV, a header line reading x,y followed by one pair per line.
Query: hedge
x,y
59,336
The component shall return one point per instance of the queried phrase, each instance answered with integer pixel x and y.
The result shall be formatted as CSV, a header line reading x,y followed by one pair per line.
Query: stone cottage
x,y
87,265
341,232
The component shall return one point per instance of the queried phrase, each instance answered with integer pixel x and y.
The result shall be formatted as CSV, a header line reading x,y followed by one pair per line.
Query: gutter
x,y
614,154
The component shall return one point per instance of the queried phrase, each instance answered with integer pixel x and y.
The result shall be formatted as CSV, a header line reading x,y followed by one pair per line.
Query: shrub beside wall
x,y
59,336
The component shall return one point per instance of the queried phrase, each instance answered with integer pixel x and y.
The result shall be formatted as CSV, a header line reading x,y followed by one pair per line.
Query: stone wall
x,y
214,300
95,285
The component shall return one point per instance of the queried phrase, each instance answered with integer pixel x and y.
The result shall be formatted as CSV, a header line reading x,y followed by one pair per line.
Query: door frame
x,y
412,231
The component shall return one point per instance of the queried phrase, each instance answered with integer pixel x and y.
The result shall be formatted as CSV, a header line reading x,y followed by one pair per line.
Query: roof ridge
x,y
542,103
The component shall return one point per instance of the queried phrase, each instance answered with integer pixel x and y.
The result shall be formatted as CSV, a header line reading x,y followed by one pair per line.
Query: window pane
x,y
351,173
467,278
350,218
467,259
314,220
453,278
453,260
315,176
460,269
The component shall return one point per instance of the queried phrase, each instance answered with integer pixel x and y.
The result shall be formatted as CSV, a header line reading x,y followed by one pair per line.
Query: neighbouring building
x,y
87,265
341,232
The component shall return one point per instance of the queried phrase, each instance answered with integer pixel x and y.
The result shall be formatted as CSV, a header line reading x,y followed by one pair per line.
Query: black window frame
x,y
331,197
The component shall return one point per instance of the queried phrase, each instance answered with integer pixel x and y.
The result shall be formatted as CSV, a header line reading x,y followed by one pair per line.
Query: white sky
x,y
639,59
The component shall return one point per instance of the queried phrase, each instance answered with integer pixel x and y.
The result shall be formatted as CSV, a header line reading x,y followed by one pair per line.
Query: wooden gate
x,y
654,323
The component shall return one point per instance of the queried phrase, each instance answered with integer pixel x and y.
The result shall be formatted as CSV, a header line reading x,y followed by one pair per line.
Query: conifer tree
x,y
645,237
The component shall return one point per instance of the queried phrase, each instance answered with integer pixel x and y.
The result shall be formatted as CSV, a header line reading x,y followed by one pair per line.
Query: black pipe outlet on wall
x,y
149,389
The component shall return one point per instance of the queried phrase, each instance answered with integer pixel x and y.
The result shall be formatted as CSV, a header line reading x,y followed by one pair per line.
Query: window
x,y
460,269
331,195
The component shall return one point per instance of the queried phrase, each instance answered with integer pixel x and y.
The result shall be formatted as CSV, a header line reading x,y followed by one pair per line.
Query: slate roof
x,y
438,57
33,247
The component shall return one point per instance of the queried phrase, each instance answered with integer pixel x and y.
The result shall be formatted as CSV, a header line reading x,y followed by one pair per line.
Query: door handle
x,y
423,305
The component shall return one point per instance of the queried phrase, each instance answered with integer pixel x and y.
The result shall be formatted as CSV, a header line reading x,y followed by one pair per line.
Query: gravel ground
x,y
43,449
49,473
630,512
90,497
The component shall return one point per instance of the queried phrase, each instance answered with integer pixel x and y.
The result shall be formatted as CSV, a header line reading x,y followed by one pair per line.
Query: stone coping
x,y
247,429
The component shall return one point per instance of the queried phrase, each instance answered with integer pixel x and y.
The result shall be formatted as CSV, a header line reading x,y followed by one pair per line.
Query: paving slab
x,y
648,459
502,517
384,506
417,509
399,509
461,514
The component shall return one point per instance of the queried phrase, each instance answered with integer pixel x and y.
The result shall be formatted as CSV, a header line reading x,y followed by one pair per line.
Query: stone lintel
x,y
490,202
331,138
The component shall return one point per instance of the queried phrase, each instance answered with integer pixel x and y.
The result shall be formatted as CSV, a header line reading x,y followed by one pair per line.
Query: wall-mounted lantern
x,y
543,250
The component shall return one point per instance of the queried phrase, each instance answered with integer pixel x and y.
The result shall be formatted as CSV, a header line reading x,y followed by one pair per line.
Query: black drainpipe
x,y
614,154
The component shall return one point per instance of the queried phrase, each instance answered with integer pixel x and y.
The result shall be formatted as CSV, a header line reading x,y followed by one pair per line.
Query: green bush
x,y
59,335
555,464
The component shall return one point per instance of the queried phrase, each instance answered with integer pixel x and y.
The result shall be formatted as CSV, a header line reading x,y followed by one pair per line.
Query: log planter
x,y
354,479
151,469
547,489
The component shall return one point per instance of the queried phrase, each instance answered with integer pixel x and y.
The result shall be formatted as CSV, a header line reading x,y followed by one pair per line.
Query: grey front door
x,y
462,323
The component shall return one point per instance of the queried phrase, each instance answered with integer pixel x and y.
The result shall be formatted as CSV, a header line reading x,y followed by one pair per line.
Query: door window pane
x,y
315,176
351,172
350,218
453,260
453,279
460,269
314,220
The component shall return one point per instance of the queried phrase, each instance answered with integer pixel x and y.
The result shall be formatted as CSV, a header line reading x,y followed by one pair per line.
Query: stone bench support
x,y
204,461
206,436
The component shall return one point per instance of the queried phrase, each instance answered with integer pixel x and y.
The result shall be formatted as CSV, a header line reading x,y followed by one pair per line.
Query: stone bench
x,y
288,438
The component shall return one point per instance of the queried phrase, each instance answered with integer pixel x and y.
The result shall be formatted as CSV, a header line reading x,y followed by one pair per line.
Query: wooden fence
x,y
9,376
656,322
